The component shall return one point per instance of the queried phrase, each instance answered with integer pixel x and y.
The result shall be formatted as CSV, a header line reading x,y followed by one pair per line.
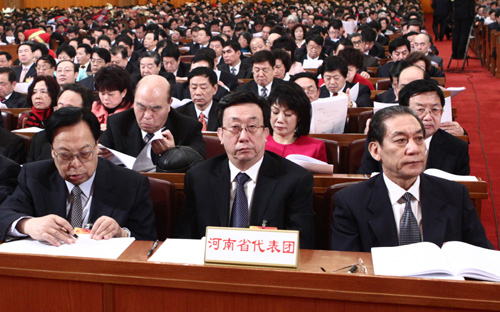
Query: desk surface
x,y
132,284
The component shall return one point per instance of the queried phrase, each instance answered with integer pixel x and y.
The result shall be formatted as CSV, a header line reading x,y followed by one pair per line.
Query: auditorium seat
x,y
213,146
166,208
355,152
9,121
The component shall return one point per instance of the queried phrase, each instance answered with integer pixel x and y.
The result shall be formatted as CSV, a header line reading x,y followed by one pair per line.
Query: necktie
x,y
82,67
2,99
263,92
335,94
409,232
233,71
76,208
148,137
240,204
203,122
23,74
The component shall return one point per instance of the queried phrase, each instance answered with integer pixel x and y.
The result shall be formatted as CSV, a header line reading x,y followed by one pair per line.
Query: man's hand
x,y
104,153
106,228
51,228
162,145
452,127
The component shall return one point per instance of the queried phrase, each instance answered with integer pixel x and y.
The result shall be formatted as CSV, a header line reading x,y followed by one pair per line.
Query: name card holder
x,y
271,248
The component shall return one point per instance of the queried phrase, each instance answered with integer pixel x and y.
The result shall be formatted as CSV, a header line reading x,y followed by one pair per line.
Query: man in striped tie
x,y
402,205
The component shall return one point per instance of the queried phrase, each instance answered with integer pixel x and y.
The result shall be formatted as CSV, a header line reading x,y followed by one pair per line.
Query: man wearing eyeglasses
x,y
263,74
247,185
66,72
444,151
76,188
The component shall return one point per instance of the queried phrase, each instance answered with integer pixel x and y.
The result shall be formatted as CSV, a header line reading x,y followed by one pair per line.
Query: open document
x,y
312,164
84,247
454,260
350,26
329,114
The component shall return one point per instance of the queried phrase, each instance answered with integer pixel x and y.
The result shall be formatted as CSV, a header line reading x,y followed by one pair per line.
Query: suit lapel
x,y
219,184
212,117
436,154
57,194
433,223
382,222
266,184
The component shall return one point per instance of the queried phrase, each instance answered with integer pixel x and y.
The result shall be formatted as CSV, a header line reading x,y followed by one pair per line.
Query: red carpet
x,y
477,113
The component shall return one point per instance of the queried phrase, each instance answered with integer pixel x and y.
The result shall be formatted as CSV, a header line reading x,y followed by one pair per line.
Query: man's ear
x,y
374,149
220,132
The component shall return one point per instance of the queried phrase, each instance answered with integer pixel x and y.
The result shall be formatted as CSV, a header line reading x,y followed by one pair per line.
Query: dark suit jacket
x,y
244,73
16,100
123,133
31,72
189,110
183,69
88,82
441,7
12,146
119,193
386,97
252,86
363,216
132,69
446,152
377,50
370,61
363,99
9,170
383,71
283,196
40,148
230,80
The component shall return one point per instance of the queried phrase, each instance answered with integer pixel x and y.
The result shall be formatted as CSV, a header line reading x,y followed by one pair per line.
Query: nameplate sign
x,y
276,248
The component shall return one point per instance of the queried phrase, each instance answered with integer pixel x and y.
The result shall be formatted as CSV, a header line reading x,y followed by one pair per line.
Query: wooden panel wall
x,y
426,6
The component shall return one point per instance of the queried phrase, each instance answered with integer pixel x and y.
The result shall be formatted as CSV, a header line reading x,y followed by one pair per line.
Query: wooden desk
x,y
132,284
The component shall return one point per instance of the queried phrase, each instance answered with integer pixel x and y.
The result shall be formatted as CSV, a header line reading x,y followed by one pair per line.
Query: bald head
x,y
271,39
408,75
422,43
258,44
152,103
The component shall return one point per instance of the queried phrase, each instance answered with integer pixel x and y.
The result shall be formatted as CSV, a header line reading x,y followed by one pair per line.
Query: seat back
x,y
355,154
9,121
332,153
163,196
213,146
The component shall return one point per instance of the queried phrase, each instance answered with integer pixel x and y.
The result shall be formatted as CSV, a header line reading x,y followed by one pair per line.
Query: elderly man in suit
x,y
247,185
402,205
130,131
76,188
263,74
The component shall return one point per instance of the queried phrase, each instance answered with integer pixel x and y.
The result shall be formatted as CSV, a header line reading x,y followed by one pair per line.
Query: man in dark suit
x,y
12,146
442,9
128,131
313,50
150,64
8,96
232,61
335,74
278,192
202,82
9,170
171,58
399,48
263,74
370,46
27,70
403,205
463,15
76,188
119,57
445,152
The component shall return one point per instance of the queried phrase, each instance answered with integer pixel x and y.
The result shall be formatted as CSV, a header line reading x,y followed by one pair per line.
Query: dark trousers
x,y
440,22
460,35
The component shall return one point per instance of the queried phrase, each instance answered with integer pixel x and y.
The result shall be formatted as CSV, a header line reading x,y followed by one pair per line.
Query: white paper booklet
x,y
186,251
449,176
329,114
312,164
28,130
454,260
84,247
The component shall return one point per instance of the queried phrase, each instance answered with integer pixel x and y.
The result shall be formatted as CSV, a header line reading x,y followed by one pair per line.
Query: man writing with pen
x,y
76,188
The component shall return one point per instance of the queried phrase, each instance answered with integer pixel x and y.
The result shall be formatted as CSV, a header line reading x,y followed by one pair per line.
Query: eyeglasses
x,y
84,156
236,129
357,42
423,111
310,90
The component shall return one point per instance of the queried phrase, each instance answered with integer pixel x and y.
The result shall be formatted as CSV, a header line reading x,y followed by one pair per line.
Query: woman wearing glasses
x,y
42,97
290,123
116,93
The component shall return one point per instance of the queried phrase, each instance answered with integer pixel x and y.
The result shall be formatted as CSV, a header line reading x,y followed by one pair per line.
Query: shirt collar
x,y
252,172
396,192
86,186
268,87
205,112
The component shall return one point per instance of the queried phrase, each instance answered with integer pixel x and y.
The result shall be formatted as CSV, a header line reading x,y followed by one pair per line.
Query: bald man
x,y
422,44
129,131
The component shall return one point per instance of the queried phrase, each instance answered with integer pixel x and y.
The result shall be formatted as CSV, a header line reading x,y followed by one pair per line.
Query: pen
x,y
353,269
74,235
150,252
